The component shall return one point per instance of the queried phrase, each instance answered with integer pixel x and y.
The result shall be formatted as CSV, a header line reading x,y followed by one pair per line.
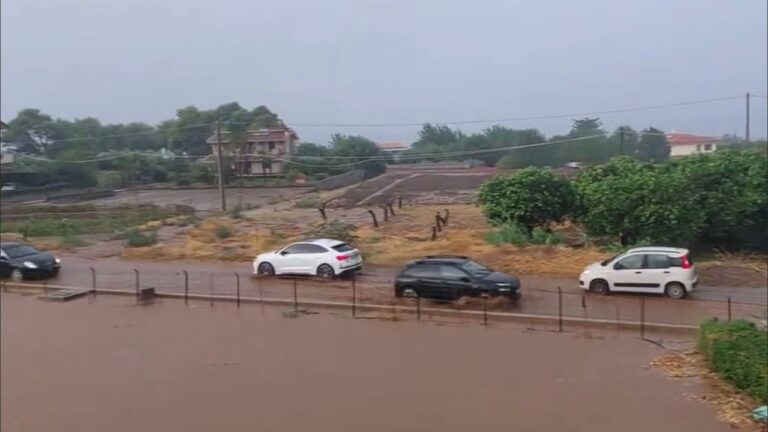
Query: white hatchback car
x,y
325,258
658,270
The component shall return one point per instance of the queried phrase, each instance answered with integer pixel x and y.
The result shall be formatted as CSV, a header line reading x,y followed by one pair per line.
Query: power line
x,y
513,119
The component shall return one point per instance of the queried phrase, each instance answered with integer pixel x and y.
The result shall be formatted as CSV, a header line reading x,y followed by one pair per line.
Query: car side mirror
x,y
283,253
618,266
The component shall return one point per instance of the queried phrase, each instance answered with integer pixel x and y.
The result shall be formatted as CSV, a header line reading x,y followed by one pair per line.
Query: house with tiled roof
x,y
683,144
264,152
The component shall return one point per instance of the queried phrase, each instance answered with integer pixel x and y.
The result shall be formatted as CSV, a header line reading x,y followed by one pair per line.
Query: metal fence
x,y
558,310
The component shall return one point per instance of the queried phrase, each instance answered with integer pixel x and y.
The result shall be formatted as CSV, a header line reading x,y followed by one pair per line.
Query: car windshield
x,y
605,262
20,251
475,269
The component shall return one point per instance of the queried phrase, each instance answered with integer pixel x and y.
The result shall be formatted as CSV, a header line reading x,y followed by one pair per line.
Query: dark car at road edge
x,y
20,261
449,277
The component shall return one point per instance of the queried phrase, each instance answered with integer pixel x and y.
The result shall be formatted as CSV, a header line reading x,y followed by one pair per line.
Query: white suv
x,y
659,270
325,258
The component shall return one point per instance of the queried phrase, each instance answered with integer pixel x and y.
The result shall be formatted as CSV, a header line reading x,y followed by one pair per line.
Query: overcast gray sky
x,y
361,61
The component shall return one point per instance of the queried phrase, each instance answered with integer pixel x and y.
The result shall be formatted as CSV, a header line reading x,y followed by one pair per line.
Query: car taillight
x,y
342,257
685,262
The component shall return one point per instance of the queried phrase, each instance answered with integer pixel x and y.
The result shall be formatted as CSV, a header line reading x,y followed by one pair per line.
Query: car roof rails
x,y
446,256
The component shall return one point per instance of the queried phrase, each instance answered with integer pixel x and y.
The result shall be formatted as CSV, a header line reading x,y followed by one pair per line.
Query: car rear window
x,y
678,261
343,247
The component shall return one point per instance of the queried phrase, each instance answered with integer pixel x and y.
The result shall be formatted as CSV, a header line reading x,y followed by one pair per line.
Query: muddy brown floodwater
x,y
110,365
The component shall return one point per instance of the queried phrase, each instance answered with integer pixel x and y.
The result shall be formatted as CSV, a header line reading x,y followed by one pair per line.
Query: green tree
x,y
349,146
729,188
653,146
33,130
529,198
637,202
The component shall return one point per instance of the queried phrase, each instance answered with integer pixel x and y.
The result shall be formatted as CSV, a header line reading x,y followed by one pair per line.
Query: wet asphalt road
x,y
374,285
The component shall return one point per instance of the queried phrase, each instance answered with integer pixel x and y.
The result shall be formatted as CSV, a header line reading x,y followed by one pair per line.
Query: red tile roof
x,y
688,139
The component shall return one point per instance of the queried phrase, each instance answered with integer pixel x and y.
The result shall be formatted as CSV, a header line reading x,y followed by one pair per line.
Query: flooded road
x,y
375,284
110,365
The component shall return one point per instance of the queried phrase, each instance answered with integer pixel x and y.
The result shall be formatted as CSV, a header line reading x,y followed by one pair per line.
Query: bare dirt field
x,y
451,186
110,365
203,199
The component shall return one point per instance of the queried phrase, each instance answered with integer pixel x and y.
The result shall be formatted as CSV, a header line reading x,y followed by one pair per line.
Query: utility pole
x,y
746,132
220,164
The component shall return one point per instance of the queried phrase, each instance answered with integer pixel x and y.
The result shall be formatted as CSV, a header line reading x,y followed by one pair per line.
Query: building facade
x,y
263,152
682,144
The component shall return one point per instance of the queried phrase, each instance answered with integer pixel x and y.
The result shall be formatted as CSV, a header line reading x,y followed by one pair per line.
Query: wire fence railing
x,y
538,308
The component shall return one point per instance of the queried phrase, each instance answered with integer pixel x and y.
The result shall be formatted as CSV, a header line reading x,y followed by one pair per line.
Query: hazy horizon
x,y
346,61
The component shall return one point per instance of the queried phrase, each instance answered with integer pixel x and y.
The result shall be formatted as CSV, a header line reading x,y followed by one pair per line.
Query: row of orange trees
x,y
717,200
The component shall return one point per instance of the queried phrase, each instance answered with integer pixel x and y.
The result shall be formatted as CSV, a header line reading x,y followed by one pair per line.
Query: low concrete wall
x,y
341,180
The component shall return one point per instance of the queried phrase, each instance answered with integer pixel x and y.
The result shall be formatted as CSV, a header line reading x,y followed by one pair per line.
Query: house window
x,y
707,147
271,146
698,147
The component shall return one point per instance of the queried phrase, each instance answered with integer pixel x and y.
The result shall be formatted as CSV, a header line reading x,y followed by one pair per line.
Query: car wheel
x,y
17,275
675,290
599,286
266,269
325,271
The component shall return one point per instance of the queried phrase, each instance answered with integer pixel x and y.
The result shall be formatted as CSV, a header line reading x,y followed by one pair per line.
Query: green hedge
x,y
738,351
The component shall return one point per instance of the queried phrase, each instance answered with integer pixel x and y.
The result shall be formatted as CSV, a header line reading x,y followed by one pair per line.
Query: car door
x,y
427,281
628,274
456,283
312,256
657,272
289,260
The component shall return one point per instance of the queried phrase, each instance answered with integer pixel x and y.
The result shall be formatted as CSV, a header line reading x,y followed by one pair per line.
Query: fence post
x,y
485,311
391,208
295,297
354,296
642,317
418,307
445,219
45,286
186,287
237,277
729,308
210,290
399,201
93,281
559,309
434,233
437,222
386,213
136,272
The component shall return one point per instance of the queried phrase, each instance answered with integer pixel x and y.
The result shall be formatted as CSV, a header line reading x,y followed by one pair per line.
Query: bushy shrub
x,y
223,232
137,238
309,201
513,234
738,351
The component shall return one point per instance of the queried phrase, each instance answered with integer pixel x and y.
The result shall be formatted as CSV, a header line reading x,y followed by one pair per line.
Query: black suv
x,y
21,261
448,277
